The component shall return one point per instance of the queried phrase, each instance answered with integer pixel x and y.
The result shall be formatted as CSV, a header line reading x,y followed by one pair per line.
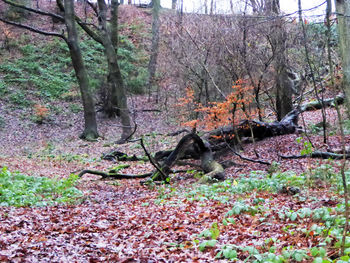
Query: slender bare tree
x,y
115,81
152,66
90,131
343,15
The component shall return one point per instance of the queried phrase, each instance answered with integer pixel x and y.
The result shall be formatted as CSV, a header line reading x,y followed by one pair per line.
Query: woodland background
x,y
237,124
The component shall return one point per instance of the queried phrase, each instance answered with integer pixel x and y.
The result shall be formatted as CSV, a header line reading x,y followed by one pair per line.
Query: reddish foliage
x,y
235,107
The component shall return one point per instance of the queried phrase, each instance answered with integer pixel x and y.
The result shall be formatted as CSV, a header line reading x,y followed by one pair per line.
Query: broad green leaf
x,y
298,257
294,216
314,251
347,251
230,253
214,230
318,260
207,243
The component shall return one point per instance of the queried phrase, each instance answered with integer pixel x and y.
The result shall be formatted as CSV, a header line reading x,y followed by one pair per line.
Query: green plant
x,y
241,207
213,232
207,244
19,99
75,108
318,127
17,189
39,71
227,252
3,88
307,146
133,65
2,122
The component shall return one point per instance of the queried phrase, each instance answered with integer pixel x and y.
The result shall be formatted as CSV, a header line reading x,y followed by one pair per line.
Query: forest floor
x,y
122,221
245,218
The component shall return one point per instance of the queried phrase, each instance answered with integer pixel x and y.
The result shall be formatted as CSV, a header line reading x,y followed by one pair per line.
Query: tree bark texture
x,y
284,102
173,4
212,169
257,129
115,83
152,66
343,16
90,129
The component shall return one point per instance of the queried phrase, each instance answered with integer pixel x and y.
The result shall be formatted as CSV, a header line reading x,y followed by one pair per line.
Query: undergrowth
x,y
43,71
255,196
18,190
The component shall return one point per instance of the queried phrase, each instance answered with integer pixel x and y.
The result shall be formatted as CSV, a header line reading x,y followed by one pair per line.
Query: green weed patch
x,y
18,190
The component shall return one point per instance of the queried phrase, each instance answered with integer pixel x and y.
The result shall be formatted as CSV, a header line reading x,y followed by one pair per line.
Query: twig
x,y
114,175
152,161
177,132
248,159
37,11
242,157
317,154
33,29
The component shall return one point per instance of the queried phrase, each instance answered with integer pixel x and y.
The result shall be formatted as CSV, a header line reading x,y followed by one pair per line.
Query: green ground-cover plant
x,y
17,190
223,192
133,63
324,222
43,70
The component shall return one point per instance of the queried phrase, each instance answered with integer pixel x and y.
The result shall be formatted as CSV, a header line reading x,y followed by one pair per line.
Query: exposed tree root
x,y
212,168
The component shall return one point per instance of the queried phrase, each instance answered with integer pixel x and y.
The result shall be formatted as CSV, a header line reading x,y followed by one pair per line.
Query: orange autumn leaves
x,y
236,107
41,112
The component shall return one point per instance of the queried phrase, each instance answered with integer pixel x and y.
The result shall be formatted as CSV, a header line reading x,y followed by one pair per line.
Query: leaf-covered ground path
x,y
126,222
129,222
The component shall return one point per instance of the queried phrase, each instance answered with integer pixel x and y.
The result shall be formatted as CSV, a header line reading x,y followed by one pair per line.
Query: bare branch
x,y
33,29
82,24
37,11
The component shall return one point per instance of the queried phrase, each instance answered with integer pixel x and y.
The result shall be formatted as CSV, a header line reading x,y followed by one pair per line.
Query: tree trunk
x,y
114,24
343,16
173,4
206,7
152,66
231,7
90,130
259,130
211,7
115,84
284,102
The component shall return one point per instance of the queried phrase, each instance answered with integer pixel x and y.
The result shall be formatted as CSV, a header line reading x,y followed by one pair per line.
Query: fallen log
x,y
120,156
318,154
220,139
114,173
257,129
212,168
316,105
192,146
